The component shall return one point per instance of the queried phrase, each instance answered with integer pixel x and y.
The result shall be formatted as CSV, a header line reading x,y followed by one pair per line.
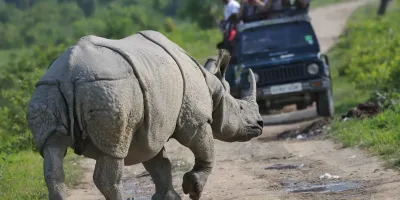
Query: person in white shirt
x,y
230,7
231,10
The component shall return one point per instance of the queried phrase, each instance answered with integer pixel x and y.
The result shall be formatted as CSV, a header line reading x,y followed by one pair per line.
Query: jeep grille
x,y
280,74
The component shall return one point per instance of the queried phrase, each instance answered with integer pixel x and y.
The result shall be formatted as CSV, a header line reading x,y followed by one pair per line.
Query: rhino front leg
x,y
159,168
202,147
108,176
54,151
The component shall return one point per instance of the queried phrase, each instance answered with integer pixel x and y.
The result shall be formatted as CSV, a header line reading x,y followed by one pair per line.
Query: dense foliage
x,y
43,22
28,22
17,83
370,51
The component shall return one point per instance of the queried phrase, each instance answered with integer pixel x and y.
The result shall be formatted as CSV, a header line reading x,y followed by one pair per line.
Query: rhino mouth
x,y
253,132
257,130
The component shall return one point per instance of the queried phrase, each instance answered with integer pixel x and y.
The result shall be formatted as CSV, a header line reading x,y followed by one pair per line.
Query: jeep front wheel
x,y
325,103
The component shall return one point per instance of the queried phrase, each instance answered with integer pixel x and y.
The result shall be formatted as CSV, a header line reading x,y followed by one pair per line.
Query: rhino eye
x,y
241,107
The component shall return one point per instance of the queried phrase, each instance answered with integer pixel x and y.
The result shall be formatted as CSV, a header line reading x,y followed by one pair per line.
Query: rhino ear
x,y
223,61
218,65
211,66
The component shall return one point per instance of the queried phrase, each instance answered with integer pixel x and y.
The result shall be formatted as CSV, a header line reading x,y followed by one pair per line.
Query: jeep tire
x,y
325,103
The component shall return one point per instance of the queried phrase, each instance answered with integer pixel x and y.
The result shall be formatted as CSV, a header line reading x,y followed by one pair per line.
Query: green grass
x,y
200,44
346,96
21,175
345,93
378,135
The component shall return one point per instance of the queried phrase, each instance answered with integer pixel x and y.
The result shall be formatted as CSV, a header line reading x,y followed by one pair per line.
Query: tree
x,y
382,7
22,4
204,13
157,4
87,6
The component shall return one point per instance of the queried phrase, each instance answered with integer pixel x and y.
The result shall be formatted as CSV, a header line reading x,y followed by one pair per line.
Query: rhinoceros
x,y
119,101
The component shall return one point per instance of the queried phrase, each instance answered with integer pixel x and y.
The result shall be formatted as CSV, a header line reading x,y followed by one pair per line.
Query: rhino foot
x,y
202,146
193,184
170,195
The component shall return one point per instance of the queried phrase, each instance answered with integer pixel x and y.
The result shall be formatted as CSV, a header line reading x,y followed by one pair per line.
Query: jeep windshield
x,y
281,37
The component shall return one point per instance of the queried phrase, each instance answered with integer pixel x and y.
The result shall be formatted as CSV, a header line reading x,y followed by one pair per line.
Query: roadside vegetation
x,y
366,67
34,32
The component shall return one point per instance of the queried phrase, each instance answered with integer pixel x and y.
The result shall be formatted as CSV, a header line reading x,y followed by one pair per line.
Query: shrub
x,y
16,86
370,52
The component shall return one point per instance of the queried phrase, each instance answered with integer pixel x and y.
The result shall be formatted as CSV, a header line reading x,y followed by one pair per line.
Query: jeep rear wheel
x,y
325,103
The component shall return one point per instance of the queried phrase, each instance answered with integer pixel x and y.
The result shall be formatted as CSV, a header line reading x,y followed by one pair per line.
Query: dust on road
x,y
323,169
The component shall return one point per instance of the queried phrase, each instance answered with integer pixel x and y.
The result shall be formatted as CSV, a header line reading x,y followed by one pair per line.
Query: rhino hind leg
x,y
159,168
54,151
108,176
202,146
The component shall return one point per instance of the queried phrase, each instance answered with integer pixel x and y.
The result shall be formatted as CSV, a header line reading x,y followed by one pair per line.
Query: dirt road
x,y
240,172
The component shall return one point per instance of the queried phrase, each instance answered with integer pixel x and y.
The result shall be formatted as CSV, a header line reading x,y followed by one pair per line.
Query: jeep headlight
x,y
313,69
255,76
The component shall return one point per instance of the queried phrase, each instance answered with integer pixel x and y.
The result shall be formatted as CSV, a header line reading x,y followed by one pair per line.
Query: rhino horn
x,y
253,86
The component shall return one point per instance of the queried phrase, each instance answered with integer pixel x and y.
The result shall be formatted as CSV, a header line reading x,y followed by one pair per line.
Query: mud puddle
x,y
334,186
309,132
284,166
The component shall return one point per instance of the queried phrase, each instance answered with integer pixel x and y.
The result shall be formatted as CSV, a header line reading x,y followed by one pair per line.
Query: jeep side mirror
x,y
326,59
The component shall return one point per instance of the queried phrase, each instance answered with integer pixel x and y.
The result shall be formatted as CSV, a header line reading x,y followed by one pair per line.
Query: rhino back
x,y
136,108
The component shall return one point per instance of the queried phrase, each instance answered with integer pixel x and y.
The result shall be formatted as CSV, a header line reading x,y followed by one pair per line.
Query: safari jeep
x,y
285,56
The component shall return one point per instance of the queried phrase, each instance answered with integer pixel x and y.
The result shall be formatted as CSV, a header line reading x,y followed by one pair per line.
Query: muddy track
x,y
265,168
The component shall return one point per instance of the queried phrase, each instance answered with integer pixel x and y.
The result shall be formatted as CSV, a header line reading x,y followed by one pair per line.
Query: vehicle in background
x,y
284,54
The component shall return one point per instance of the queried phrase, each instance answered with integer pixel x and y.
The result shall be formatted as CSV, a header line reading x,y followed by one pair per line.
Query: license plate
x,y
280,89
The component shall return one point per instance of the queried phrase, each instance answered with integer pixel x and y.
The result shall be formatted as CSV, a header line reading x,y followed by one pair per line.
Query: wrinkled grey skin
x,y
117,115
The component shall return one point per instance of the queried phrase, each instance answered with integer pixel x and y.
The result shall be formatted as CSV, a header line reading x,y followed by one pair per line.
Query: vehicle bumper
x,y
310,86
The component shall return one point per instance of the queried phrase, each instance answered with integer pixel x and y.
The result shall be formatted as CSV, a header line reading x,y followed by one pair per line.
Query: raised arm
x,y
263,5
